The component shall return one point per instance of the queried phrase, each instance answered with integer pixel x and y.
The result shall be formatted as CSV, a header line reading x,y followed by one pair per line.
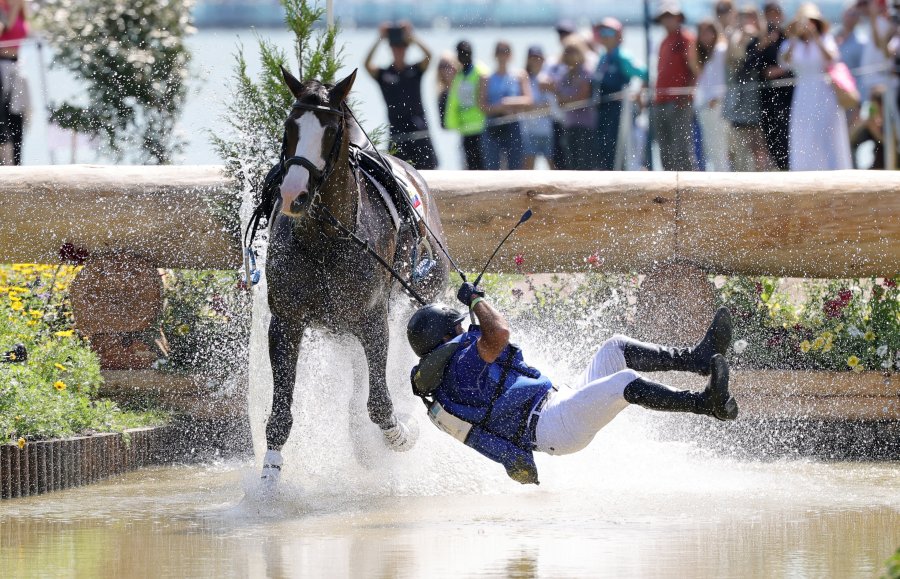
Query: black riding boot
x,y
646,357
713,401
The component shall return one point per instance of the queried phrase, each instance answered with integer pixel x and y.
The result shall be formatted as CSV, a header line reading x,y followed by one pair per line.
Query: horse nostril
x,y
297,204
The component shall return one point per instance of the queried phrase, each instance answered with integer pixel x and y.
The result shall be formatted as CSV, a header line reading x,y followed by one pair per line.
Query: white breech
x,y
574,414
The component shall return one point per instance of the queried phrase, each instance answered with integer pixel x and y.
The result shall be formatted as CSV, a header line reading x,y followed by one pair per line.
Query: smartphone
x,y
396,36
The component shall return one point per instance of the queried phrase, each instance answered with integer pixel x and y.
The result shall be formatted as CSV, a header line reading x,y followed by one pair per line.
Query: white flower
x,y
854,332
740,346
882,351
886,364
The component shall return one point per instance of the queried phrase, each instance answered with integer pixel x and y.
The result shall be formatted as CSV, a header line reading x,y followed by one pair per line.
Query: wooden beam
x,y
165,214
627,219
822,224
827,224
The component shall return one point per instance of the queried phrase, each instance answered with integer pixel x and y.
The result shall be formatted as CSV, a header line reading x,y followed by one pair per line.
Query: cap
x,y
611,23
669,7
535,50
565,26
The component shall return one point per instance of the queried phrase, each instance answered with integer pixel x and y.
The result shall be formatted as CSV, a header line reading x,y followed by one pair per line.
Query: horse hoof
x,y
402,436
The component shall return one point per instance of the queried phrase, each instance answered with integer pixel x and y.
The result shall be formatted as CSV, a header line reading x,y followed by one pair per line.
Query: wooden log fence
x,y
816,224
52,465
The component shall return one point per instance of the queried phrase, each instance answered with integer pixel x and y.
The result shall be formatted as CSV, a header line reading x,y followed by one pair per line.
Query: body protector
x,y
485,406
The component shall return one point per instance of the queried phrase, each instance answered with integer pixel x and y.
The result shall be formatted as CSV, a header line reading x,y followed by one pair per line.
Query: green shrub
x,y
133,62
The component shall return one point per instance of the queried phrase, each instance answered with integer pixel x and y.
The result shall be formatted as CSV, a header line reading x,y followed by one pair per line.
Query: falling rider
x,y
479,389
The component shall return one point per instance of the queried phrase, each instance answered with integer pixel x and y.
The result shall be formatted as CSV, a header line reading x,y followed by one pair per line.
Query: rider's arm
x,y
494,332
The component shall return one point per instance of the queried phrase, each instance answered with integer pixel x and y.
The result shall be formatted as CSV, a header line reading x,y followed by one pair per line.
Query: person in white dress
x,y
819,138
711,47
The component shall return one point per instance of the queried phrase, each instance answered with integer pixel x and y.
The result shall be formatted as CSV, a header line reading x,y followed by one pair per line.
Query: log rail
x,y
817,224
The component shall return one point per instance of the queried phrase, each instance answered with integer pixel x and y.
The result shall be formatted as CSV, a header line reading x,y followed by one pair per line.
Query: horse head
x,y
314,133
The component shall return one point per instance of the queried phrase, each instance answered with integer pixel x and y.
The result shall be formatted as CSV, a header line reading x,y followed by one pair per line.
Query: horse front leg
x,y
400,435
284,348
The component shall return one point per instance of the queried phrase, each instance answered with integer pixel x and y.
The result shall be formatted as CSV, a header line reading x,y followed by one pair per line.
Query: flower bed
x,y
54,393
788,324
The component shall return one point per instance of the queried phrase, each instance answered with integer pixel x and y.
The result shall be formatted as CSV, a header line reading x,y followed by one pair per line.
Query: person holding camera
x,y
818,138
478,388
401,86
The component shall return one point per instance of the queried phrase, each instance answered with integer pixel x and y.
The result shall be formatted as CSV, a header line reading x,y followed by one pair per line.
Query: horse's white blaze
x,y
309,145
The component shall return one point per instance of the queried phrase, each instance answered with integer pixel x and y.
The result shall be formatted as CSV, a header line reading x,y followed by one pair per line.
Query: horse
x,y
317,276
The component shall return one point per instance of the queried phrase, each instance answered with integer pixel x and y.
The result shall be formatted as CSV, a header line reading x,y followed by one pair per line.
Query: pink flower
x,y
844,295
594,260
519,259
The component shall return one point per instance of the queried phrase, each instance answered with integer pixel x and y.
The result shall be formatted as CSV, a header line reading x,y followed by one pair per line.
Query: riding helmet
x,y
428,327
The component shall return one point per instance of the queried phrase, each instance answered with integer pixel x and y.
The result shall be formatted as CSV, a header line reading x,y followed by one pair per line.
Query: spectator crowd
x,y
747,89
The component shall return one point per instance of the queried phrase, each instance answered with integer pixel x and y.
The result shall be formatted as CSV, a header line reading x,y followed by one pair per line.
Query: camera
x,y
396,36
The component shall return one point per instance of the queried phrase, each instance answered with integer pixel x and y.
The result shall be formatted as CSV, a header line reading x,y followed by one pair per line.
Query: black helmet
x,y
429,325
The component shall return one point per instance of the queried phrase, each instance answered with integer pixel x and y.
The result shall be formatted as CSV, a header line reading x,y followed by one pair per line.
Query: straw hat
x,y
811,12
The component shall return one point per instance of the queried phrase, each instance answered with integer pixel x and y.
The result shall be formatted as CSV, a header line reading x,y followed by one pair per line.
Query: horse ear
x,y
339,93
293,84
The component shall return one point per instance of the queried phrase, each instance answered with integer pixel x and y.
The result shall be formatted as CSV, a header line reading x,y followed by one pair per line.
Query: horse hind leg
x,y
284,348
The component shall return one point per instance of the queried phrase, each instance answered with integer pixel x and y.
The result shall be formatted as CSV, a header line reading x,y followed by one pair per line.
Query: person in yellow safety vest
x,y
463,111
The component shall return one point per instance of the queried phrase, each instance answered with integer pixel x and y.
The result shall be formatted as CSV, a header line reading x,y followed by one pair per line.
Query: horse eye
x,y
330,132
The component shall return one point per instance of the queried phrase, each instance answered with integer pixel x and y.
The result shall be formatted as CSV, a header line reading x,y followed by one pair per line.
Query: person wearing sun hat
x,y
676,76
613,74
819,139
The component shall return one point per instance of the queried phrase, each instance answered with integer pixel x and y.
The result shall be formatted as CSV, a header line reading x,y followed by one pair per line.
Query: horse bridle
x,y
316,176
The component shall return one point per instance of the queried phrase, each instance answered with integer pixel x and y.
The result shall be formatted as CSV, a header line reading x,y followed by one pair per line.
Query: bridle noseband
x,y
316,176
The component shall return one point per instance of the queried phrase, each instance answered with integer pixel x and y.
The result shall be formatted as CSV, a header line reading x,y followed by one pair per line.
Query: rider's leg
x,y
572,416
646,357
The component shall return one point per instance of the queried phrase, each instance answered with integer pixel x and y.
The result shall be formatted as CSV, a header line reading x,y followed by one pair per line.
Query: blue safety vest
x,y
495,398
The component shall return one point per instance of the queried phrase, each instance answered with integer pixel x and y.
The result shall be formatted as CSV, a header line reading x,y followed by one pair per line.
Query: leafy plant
x,y
258,107
892,567
205,324
831,325
133,61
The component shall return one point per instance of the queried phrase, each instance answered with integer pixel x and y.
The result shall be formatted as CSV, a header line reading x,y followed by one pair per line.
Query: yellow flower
x,y
65,333
827,336
183,329
818,343
869,336
859,368
17,306
36,314
60,367
853,361
32,322
805,346
21,443
59,385
827,346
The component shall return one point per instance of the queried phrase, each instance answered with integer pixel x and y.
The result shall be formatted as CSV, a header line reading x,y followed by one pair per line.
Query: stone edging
x,y
51,465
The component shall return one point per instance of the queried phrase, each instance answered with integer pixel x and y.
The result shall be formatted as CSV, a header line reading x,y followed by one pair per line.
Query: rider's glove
x,y
468,292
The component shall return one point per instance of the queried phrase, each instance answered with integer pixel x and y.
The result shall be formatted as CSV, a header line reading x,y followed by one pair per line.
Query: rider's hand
x,y
467,292
522,472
